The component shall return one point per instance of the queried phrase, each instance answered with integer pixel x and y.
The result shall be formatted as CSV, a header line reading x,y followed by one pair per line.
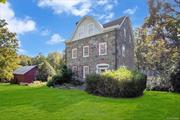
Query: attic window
x,y
81,32
90,28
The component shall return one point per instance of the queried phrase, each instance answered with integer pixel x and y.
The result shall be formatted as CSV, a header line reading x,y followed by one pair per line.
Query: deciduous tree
x,y
8,52
157,41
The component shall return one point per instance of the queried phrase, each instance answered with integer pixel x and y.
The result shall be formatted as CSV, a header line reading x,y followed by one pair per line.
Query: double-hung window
x,y
74,53
85,71
86,51
103,48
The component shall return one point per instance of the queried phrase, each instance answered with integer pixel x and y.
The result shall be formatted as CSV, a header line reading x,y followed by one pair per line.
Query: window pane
x,y
74,53
85,71
102,48
85,51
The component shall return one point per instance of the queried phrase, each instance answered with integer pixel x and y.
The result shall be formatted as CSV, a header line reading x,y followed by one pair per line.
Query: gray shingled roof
x,y
114,22
23,70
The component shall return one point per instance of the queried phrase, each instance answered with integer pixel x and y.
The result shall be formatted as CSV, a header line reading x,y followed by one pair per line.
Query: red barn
x,y
25,74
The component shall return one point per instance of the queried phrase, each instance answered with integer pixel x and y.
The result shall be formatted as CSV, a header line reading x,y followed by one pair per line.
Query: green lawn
x,y
33,103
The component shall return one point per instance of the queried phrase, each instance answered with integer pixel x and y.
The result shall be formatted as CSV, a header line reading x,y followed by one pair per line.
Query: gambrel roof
x,y
100,27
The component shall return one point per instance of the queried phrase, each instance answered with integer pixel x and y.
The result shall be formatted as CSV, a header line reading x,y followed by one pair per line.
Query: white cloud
x,y
105,17
130,11
45,32
109,7
102,2
55,39
81,7
17,25
74,7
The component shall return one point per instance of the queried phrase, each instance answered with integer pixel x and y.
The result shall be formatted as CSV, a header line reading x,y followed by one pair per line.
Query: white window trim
x,y
84,67
84,50
73,57
102,64
105,48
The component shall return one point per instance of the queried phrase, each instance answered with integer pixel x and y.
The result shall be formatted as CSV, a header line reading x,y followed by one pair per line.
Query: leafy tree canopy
x,y
8,52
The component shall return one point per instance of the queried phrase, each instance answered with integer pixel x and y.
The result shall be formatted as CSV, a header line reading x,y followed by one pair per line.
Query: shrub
x,y
64,76
120,83
175,79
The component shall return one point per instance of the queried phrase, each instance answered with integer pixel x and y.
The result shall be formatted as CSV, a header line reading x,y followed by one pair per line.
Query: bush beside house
x,y
120,83
64,75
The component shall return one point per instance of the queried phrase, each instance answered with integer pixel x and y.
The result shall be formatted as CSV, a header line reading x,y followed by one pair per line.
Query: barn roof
x,y
114,22
23,70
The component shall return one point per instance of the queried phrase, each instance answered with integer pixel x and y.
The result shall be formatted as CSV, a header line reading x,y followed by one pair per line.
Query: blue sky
x,y
42,26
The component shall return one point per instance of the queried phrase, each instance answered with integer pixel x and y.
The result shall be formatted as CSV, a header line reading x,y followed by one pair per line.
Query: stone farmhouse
x,y
96,47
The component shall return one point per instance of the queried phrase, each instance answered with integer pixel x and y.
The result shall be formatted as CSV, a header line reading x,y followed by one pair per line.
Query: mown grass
x,y
43,103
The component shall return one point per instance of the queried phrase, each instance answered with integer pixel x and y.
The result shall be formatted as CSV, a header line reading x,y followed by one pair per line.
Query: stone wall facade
x,y
114,39
94,57
128,41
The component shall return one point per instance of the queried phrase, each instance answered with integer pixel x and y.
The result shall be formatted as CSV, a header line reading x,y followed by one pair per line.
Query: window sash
x,y
103,48
86,51
85,71
74,53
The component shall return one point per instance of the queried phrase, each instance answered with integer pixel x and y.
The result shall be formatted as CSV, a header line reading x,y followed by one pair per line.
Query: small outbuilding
x,y
25,74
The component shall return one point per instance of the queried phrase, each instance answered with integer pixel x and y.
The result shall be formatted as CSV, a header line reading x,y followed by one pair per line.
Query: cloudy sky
x,y
42,26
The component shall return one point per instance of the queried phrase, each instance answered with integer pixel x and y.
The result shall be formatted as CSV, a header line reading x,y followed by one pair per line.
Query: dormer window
x,y
90,28
74,53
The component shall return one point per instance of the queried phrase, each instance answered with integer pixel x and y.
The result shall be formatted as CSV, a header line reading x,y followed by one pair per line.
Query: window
x,y
81,32
124,33
86,51
101,68
123,50
103,48
90,28
85,71
74,53
74,69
